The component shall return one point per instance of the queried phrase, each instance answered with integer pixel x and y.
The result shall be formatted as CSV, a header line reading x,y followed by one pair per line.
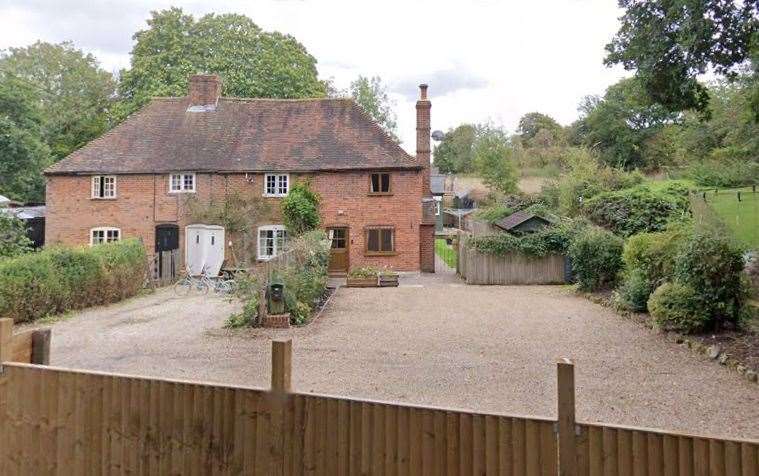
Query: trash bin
x,y
276,298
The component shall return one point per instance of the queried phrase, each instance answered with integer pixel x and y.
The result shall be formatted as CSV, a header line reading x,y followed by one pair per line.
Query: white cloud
x,y
483,59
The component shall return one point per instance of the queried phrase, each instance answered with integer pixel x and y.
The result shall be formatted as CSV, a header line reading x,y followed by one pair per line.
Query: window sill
x,y
274,195
174,192
103,198
380,253
380,194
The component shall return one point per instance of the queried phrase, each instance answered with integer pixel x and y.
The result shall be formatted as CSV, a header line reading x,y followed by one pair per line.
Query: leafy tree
x,y
250,61
371,94
618,124
670,42
493,159
22,154
300,209
455,153
13,239
74,94
539,129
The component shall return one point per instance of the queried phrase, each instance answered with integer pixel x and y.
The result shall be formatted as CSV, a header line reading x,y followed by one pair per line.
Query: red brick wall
x,y
427,247
143,201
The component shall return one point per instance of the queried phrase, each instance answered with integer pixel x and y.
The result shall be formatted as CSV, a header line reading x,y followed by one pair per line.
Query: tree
x,y
455,152
493,159
74,94
13,239
537,129
300,209
250,61
670,42
23,155
371,94
619,124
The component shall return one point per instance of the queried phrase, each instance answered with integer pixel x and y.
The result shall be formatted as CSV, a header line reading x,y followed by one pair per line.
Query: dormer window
x,y
182,183
276,185
104,186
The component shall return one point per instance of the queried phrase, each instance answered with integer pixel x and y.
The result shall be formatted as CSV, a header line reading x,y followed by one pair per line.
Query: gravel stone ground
x,y
433,341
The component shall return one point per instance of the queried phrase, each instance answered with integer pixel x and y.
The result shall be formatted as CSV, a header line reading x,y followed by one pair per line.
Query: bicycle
x,y
202,283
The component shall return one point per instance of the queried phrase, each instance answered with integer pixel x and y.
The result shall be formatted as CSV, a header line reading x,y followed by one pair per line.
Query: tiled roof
x,y
241,135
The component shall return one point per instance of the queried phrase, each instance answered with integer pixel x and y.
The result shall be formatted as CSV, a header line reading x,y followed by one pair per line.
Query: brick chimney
x,y
204,92
423,106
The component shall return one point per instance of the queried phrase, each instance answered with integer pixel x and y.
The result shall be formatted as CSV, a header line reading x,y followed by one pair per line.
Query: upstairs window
x,y
380,240
276,185
183,182
104,186
379,184
104,235
271,241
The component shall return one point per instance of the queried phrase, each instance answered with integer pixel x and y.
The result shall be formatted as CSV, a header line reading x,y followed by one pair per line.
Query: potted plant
x,y
388,278
363,277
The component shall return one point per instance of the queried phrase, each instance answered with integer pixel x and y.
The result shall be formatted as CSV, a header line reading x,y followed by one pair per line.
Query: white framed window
x,y
182,183
104,186
276,185
271,241
104,234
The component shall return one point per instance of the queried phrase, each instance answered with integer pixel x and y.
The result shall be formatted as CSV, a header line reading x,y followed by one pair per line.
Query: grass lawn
x,y
742,217
445,252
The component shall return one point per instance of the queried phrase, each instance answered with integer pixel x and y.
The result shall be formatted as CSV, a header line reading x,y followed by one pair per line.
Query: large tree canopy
x,y
670,42
73,92
540,129
371,94
455,152
250,61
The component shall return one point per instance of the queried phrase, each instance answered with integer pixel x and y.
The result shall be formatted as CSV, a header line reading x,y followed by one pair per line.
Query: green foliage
x,y
250,61
726,173
247,290
493,213
679,307
445,252
306,278
55,280
300,209
371,95
494,161
539,129
455,153
550,240
670,43
635,210
634,290
712,265
596,256
364,272
75,95
654,254
13,239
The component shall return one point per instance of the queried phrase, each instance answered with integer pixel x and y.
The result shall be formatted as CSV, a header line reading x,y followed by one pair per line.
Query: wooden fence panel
x,y
481,268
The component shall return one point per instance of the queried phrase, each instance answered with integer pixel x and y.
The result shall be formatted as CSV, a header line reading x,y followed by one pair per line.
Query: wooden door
x,y
338,256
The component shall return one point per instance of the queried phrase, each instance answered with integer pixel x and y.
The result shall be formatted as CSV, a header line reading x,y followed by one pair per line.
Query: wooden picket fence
x,y
58,421
514,268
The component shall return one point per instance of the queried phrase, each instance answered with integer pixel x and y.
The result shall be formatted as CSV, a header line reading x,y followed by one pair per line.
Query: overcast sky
x,y
485,60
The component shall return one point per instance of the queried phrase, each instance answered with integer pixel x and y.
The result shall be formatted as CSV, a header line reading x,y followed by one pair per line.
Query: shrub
x,y
634,291
306,278
679,307
596,256
653,254
364,272
59,279
712,265
300,209
494,213
13,239
635,210
724,173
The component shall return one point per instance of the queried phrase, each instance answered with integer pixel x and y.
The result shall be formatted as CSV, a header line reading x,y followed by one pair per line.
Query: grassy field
x,y
445,252
741,216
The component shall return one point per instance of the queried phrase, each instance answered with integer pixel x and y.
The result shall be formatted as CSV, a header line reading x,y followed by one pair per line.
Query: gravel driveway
x,y
431,341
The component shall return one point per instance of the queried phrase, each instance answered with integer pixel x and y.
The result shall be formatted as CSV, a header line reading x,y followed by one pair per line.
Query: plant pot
x,y
361,282
388,280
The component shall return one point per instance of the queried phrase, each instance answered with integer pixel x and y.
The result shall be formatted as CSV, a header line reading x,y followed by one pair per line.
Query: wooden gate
x,y
166,267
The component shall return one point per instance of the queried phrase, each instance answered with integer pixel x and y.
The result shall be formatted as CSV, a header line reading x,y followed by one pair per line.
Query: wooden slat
x,y
21,347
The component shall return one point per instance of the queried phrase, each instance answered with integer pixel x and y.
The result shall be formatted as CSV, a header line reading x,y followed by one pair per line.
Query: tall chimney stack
x,y
204,92
423,106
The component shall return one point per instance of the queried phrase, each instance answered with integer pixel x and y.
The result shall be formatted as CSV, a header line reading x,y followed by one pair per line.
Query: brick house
x,y
134,180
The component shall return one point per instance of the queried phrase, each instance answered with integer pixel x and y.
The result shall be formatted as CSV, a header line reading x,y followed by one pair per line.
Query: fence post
x,y
566,421
41,346
281,365
6,332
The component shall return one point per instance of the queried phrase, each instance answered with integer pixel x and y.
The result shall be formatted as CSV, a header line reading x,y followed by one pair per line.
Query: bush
x,y
725,173
56,280
300,209
306,278
635,210
494,213
13,239
596,256
712,265
679,307
653,254
634,291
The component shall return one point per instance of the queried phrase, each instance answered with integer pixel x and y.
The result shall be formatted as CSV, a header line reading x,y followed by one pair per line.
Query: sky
x,y
484,60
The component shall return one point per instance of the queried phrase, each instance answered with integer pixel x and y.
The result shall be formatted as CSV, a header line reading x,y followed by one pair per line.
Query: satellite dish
x,y
438,136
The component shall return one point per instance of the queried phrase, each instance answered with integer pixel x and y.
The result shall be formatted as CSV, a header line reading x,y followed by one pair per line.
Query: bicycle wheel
x,y
183,287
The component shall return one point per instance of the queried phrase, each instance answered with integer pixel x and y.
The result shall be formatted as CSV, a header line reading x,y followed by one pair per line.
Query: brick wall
x,y
144,201
427,248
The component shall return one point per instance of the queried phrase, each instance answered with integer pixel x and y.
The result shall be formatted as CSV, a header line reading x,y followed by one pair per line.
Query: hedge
x,y
59,279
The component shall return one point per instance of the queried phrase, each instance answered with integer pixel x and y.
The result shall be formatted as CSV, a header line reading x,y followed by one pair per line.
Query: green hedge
x,y
550,240
596,256
56,280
